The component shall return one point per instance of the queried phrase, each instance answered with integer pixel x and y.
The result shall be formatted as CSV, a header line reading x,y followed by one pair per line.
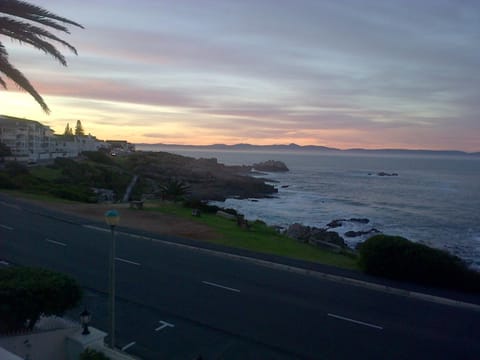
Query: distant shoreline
x,y
295,147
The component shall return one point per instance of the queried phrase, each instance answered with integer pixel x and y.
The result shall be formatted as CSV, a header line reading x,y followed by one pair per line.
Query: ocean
x,y
434,199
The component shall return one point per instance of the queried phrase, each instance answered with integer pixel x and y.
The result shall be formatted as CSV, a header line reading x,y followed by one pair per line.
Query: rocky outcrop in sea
x,y
271,166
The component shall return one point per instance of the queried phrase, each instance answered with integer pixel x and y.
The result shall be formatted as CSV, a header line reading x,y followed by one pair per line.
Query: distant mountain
x,y
295,147
412,152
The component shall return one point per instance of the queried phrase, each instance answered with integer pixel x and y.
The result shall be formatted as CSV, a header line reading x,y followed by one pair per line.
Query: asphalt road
x,y
177,302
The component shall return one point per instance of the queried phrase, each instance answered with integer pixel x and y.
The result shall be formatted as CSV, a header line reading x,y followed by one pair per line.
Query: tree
x,y
174,190
68,130
27,293
20,20
79,129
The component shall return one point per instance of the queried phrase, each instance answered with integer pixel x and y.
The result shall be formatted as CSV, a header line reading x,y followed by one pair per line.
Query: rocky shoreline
x,y
328,238
207,179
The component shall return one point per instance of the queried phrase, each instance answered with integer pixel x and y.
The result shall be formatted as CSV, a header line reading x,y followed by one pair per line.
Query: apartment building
x,y
27,139
30,140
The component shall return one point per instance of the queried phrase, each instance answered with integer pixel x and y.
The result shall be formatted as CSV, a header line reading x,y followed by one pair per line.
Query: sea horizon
x,y
296,147
434,199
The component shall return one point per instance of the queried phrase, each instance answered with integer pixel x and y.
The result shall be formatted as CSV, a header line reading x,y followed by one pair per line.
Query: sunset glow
x,y
346,74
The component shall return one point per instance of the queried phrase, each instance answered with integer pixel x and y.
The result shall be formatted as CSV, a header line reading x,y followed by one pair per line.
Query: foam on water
x,y
433,200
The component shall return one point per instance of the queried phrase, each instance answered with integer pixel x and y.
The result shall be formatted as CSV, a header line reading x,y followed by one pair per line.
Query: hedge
x,y
397,258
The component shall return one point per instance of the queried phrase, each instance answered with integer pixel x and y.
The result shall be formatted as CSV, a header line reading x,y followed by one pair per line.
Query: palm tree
x,y
19,21
174,190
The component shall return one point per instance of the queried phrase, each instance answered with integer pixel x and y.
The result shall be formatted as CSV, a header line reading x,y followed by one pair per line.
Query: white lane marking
x,y
93,227
164,325
129,345
6,227
307,272
55,242
355,321
220,286
127,261
10,205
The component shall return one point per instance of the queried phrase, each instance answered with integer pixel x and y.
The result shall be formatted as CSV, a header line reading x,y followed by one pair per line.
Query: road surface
x,y
177,301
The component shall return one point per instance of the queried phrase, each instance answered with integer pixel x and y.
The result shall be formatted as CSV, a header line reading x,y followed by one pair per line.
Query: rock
x,y
226,215
298,232
351,234
207,178
382,173
315,236
339,222
271,166
360,220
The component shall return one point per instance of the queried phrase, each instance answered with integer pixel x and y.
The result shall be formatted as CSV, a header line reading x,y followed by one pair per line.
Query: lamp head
x,y
112,217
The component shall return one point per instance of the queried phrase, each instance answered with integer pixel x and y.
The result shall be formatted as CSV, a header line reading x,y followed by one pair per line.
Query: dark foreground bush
x,y
397,258
90,354
27,293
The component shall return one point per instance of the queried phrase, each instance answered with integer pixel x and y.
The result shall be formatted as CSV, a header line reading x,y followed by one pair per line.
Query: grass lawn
x,y
259,238
45,173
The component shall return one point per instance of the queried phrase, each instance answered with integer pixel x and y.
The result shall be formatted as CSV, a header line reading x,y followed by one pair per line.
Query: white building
x,y
27,139
30,140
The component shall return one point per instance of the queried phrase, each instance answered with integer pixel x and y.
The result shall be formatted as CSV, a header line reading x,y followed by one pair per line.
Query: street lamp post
x,y
85,318
112,217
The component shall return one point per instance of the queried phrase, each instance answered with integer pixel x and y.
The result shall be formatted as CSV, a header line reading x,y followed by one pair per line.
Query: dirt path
x,y
137,219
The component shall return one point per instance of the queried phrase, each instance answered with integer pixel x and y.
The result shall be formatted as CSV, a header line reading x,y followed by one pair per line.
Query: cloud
x,y
316,71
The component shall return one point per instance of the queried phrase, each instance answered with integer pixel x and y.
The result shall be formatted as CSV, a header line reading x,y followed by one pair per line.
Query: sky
x,y
340,73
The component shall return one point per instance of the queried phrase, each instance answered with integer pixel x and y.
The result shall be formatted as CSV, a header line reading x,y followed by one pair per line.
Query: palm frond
x,y
36,36
16,76
31,34
35,13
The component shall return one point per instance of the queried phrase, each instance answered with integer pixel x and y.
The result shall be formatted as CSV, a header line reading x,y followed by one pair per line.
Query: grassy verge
x,y
259,238
38,196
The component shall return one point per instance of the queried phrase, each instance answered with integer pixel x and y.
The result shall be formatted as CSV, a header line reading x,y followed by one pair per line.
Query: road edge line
x,y
321,275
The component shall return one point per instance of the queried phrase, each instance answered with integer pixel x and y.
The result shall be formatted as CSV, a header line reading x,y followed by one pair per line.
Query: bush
x,y
397,258
14,168
90,354
73,192
27,293
201,205
6,182
98,157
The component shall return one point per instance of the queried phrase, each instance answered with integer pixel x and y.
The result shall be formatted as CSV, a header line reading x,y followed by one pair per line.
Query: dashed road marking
x,y
127,261
317,274
164,325
55,242
6,227
10,205
220,286
129,345
355,321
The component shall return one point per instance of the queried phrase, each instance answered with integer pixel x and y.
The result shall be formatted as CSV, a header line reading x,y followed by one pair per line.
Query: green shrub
x,y
14,168
27,293
98,157
90,354
201,205
6,182
401,259
73,192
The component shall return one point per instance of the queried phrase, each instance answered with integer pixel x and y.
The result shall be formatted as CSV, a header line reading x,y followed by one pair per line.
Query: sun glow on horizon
x,y
196,76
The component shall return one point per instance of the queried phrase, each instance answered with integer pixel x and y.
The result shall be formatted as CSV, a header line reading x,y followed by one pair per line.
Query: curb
x,y
307,272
